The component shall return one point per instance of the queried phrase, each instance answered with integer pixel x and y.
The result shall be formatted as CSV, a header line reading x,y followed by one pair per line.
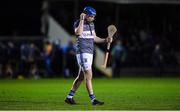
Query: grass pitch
x,y
124,93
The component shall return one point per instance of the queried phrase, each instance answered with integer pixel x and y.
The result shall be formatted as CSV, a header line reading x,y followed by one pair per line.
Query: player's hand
x,y
109,39
82,16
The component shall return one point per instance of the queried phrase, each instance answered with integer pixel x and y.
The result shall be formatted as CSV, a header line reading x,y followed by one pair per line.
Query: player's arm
x,y
79,29
101,40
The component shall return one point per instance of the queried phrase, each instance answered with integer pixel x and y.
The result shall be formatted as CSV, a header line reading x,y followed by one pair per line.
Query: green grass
x,y
126,93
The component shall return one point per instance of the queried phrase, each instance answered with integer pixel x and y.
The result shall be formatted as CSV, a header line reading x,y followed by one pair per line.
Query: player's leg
x,y
77,81
69,99
86,67
88,80
89,86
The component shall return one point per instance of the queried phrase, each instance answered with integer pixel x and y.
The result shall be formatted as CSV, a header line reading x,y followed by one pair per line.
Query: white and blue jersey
x,y
85,42
85,45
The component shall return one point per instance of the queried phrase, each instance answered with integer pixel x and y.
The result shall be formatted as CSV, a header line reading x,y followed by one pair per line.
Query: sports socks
x,y
92,97
71,94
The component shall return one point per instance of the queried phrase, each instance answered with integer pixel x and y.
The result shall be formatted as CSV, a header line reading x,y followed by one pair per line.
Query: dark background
x,y
20,16
24,17
20,22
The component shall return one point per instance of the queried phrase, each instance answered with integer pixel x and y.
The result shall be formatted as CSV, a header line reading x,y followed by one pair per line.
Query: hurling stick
x,y
111,31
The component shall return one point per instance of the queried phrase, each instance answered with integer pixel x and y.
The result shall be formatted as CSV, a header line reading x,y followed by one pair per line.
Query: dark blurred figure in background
x,y
48,54
71,67
146,47
118,55
169,53
134,49
57,59
53,59
33,55
24,50
158,60
29,54
11,63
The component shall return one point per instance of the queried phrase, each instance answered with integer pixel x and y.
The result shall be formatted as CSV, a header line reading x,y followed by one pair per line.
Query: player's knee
x,y
89,77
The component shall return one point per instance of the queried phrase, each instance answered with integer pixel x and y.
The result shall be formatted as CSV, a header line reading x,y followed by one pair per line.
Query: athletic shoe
x,y
96,102
70,101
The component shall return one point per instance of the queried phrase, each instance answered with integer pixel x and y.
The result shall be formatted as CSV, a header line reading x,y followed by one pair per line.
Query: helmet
x,y
89,11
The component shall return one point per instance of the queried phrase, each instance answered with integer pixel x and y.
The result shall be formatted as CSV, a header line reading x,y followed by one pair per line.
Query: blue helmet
x,y
89,11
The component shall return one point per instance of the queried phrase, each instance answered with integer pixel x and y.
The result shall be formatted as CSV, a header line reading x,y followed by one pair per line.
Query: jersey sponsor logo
x,y
87,34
